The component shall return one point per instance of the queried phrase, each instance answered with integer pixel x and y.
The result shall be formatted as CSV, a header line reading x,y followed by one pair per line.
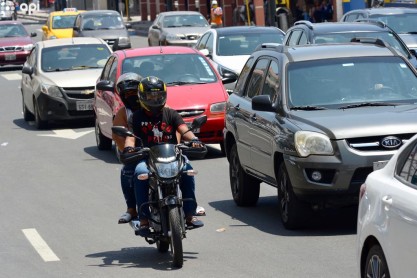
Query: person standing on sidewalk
x,y
216,14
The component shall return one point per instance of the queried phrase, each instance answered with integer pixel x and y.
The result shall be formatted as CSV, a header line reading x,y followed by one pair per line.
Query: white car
x,y
59,78
387,217
228,48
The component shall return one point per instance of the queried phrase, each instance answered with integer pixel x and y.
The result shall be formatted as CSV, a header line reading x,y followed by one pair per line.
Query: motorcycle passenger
x,y
156,123
127,87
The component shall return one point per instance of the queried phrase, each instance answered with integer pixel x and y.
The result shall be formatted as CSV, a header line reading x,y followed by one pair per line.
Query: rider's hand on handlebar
x,y
130,150
196,143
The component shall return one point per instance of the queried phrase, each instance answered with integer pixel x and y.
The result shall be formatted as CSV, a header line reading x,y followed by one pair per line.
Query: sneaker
x,y
193,222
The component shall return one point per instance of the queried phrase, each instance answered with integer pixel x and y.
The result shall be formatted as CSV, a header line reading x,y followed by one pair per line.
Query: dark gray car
x,y
104,24
312,121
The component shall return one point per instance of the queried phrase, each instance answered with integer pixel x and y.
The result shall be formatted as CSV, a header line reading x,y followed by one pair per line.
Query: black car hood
x,y
358,122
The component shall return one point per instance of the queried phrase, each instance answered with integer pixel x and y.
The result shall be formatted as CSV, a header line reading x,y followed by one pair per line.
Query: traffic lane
x,y
69,192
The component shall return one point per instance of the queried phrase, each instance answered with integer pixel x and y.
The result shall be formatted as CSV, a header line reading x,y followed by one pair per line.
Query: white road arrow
x,y
67,134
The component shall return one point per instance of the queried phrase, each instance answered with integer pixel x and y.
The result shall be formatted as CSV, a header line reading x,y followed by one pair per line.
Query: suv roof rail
x,y
373,21
270,46
304,22
375,41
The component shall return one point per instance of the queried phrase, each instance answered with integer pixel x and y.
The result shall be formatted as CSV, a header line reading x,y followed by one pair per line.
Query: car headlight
x,y
218,107
28,47
124,40
172,37
223,71
167,170
51,90
308,142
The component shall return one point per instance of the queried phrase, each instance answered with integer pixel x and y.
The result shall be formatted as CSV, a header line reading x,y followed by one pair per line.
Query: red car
x,y
15,43
194,88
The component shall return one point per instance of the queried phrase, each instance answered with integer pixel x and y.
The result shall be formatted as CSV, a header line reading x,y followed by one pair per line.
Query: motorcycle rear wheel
x,y
176,237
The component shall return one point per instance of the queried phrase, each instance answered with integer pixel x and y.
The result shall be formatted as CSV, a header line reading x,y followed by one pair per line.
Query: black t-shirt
x,y
158,128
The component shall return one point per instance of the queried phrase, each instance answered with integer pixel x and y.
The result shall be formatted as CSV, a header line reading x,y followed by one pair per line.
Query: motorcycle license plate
x,y
84,105
10,57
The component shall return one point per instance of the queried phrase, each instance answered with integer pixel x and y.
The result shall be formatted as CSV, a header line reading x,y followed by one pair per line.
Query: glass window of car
x,y
64,57
113,71
63,22
32,57
173,21
295,35
240,83
201,44
12,30
338,82
174,68
245,43
102,22
107,67
210,43
407,167
400,23
303,39
272,81
258,74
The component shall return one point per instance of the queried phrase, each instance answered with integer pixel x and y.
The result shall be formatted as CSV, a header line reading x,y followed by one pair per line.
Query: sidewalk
x,y
139,26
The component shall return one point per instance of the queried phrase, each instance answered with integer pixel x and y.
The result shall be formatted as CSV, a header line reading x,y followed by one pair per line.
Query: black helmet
x,y
127,87
152,94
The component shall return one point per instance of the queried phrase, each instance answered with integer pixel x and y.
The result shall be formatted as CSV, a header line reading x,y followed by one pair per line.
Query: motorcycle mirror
x,y
121,131
198,122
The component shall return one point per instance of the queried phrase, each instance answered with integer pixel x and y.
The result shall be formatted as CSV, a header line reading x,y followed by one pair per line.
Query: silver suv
x,y
312,121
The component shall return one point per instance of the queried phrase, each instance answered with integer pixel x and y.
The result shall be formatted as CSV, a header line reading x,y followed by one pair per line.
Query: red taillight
x,y
362,191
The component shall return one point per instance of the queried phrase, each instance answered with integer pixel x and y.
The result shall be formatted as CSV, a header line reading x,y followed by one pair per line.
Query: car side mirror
x,y
105,85
45,28
128,25
413,52
229,77
155,27
33,34
76,28
262,103
27,70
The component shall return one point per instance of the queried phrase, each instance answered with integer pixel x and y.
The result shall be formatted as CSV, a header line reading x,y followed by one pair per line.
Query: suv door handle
x,y
387,200
237,107
253,117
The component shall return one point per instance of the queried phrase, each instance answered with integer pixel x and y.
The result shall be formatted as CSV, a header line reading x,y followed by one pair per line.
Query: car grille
x,y
373,143
190,113
11,48
80,93
110,42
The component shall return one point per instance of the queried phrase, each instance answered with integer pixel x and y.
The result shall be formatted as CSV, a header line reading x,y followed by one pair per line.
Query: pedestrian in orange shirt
x,y
216,15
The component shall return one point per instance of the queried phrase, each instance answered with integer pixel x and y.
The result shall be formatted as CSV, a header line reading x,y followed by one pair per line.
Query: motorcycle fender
x,y
171,201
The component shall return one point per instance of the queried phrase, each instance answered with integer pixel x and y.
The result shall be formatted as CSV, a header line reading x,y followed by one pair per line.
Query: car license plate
x,y
10,57
84,105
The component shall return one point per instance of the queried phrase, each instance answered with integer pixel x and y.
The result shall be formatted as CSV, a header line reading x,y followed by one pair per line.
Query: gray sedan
x,y
59,77
181,28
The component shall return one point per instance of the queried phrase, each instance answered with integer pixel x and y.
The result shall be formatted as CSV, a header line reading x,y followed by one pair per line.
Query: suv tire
x,y
294,213
376,264
245,188
103,143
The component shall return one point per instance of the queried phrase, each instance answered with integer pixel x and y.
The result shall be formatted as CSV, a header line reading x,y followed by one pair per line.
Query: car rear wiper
x,y
307,107
185,83
364,104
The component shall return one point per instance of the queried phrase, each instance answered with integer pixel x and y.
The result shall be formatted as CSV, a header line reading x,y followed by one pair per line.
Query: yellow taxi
x,y
59,24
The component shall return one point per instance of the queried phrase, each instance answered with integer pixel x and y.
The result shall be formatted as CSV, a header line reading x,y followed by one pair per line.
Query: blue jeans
x,y
126,176
187,187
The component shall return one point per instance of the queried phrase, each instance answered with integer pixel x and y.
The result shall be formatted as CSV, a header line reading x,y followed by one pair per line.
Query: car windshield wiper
x,y
364,104
184,83
308,107
85,67
58,69
412,32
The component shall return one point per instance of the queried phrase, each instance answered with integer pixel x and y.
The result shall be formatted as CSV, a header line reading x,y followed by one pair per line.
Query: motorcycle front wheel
x,y
176,237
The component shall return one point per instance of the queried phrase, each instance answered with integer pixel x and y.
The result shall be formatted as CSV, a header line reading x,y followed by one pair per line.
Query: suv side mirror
x,y
229,77
105,85
128,25
262,103
76,28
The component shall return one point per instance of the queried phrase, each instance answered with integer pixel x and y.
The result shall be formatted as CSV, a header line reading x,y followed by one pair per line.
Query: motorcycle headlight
x,y
51,90
167,170
218,107
28,47
307,143
124,40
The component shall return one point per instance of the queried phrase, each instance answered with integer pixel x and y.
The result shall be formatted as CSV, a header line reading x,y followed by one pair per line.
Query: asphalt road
x,y
60,199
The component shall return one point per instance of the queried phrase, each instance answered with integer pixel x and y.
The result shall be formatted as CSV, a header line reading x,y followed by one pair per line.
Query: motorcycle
x,y
165,163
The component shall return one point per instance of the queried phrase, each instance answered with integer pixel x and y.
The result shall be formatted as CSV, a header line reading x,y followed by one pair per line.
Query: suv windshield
x,y
400,23
337,82
104,21
388,37
245,44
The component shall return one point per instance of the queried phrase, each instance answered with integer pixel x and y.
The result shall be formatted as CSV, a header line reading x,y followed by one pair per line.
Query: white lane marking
x,y
67,133
40,245
12,76
214,146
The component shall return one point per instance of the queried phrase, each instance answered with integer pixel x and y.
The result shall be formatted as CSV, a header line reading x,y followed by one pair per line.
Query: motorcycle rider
x,y
127,88
155,123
